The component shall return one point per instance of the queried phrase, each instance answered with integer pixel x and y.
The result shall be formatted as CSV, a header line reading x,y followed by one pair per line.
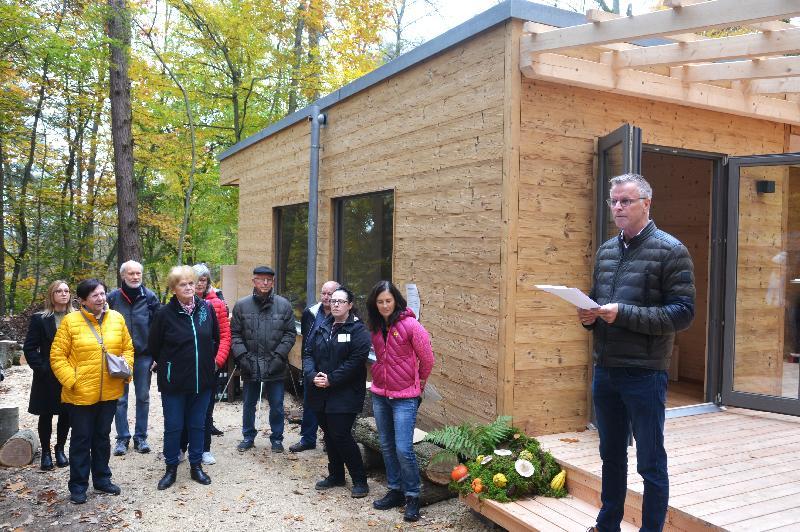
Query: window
x,y
364,227
291,250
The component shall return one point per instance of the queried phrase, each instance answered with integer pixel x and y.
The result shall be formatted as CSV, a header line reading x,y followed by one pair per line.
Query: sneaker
x,y
110,488
328,483
182,456
299,447
392,499
208,458
244,445
360,489
277,447
120,448
141,446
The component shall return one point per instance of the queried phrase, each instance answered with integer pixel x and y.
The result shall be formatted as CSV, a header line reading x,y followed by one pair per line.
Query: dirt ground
x,y
255,490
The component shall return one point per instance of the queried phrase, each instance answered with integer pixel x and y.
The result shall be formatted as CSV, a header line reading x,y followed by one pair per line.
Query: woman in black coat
x,y
45,399
335,373
183,342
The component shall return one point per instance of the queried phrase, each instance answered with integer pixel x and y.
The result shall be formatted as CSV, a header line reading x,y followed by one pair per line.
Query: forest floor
x,y
254,490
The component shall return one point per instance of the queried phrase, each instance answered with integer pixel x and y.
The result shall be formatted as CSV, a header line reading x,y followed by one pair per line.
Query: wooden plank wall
x,y
435,135
559,128
682,207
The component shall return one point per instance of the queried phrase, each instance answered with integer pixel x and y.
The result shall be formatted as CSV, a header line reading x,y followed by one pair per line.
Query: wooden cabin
x,y
475,166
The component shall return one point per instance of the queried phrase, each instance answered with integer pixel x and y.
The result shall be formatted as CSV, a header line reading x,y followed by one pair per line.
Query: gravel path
x,y
252,490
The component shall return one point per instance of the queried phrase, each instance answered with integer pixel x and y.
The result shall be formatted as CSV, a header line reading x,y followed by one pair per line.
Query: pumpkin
x,y
526,455
500,480
459,473
524,467
477,485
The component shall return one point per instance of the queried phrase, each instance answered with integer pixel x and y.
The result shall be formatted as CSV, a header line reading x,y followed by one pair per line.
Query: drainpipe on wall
x,y
317,119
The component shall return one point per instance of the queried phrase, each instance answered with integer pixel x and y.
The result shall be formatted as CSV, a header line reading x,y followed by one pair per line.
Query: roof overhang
x,y
756,74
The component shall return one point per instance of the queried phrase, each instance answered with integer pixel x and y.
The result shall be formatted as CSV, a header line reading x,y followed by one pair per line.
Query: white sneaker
x,y
182,456
208,458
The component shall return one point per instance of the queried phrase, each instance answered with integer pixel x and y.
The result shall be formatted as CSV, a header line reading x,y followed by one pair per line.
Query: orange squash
x,y
477,485
459,473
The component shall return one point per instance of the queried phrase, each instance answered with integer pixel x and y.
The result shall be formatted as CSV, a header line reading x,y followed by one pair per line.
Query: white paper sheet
x,y
412,299
571,295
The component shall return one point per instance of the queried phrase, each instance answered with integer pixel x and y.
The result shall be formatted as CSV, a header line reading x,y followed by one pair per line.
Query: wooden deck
x,y
731,470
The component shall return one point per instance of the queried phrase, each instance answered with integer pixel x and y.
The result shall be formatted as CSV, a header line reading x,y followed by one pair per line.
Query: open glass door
x,y
760,369
619,152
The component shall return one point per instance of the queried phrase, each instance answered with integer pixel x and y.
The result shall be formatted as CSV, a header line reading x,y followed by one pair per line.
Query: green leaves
x,y
468,440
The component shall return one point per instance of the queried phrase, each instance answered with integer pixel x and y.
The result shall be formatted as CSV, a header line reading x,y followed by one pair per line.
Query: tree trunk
x,y
430,458
20,449
2,230
119,33
9,422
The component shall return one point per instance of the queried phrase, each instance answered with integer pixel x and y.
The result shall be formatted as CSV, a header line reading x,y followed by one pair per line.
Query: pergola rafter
x,y
759,68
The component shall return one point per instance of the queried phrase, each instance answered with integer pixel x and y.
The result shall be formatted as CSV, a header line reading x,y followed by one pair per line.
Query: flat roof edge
x,y
519,9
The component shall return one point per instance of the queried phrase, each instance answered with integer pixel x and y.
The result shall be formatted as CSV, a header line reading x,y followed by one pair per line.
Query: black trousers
x,y
46,429
90,446
341,446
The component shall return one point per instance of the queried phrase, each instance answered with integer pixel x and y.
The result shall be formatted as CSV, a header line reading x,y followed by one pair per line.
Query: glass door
x,y
619,152
762,297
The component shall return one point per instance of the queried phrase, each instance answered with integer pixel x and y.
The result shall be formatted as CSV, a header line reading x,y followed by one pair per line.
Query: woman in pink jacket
x,y
404,361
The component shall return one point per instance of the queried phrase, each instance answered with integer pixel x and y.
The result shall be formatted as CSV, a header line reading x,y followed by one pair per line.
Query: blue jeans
x,y
309,425
184,409
251,392
141,382
625,398
395,420
89,445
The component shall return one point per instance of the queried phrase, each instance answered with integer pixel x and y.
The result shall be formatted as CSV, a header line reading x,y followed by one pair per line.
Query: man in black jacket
x,y
137,305
644,283
262,334
310,320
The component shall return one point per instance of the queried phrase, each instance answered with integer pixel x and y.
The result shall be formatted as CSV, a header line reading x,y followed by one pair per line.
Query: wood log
x,y
431,458
20,449
8,349
9,422
372,458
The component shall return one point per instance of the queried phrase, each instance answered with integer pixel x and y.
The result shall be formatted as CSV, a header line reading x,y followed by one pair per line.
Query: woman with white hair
x,y
183,342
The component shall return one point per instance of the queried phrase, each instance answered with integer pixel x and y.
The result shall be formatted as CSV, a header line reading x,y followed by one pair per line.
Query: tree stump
x,y
20,449
9,422
8,349
431,460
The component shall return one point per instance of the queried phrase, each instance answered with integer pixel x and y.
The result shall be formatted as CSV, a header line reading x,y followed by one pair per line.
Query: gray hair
x,y
124,266
645,190
202,271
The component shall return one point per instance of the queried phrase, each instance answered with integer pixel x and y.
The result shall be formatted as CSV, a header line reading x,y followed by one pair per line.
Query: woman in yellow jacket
x,y
87,389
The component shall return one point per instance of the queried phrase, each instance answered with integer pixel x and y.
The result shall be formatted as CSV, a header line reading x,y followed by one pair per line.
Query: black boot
x,y
392,499
47,460
61,458
412,509
198,475
169,477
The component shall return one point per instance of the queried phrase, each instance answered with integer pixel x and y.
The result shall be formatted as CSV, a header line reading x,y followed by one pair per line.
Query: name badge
x,y
343,338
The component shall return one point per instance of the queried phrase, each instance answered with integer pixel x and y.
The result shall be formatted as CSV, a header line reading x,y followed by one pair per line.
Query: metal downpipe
x,y
317,119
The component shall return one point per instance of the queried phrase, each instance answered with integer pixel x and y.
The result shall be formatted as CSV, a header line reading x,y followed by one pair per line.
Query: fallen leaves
x,y
569,440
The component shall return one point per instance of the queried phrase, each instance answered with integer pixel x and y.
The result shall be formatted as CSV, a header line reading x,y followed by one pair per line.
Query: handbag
x,y
117,365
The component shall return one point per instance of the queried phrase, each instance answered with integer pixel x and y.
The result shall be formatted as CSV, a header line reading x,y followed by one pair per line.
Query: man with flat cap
x,y
262,334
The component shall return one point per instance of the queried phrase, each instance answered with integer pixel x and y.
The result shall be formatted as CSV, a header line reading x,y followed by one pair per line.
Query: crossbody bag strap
x,y
94,331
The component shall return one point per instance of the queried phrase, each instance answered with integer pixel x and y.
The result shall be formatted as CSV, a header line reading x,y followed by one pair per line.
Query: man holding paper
x,y
644,283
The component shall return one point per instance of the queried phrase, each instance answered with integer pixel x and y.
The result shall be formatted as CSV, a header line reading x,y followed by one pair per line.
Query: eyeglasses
x,y
268,280
339,302
624,203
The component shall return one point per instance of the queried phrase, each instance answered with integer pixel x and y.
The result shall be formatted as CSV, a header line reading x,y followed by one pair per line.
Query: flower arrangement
x,y
500,462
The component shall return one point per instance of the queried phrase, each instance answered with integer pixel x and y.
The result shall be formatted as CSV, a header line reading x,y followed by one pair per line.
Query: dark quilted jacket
x,y
262,334
653,282
342,356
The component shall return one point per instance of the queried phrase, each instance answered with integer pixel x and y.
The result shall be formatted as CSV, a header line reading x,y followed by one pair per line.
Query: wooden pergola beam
x,y
724,48
773,67
691,18
592,75
598,15
772,86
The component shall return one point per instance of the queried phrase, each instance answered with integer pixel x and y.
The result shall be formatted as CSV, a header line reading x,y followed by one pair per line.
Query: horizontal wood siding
x,y
434,135
559,129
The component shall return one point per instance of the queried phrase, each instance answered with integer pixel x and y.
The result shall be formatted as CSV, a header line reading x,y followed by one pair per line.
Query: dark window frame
x,y
278,218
